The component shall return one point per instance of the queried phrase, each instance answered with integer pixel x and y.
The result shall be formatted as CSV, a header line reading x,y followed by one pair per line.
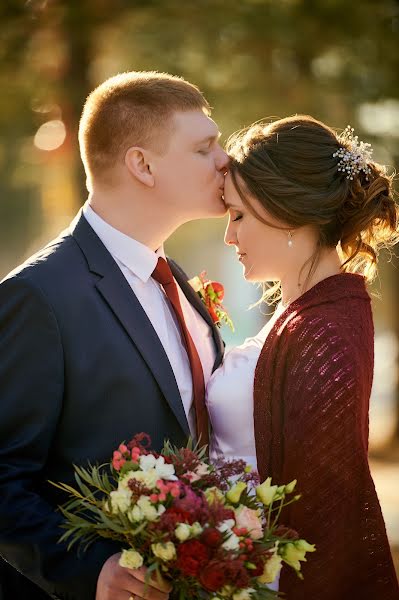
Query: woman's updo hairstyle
x,y
293,167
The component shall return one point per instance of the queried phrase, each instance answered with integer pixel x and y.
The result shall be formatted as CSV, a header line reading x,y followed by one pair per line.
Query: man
x,y
92,346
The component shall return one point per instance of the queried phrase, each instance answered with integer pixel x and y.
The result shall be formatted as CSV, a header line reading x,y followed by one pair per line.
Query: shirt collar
x,y
134,255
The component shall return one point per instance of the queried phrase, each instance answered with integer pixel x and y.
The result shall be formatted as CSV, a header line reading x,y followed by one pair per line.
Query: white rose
x,y
148,509
136,514
120,500
165,551
147,462
226,525
164,470
232,542
182,532
196,529
131,559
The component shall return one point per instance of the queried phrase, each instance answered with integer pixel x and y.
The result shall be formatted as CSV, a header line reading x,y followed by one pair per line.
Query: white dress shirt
x,y
137,263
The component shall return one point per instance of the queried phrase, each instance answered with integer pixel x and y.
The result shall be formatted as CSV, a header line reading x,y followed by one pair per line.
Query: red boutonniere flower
x,y
212,294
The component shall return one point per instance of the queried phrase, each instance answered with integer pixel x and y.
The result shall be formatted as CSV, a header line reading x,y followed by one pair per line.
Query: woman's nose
x,y
230,239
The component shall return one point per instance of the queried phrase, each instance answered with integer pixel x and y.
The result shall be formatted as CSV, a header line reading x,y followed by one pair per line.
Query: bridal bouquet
x,y
212,530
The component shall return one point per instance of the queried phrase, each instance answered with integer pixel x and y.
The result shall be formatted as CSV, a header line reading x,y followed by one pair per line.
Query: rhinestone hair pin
x,y
356,158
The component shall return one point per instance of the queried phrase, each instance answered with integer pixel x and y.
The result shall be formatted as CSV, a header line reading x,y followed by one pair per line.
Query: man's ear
x,y
138,165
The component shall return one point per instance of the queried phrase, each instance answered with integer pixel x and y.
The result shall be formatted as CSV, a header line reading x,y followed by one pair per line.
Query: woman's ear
x,y
138,165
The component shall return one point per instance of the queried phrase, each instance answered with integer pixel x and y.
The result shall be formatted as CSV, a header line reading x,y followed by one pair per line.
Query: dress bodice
x,y
229,398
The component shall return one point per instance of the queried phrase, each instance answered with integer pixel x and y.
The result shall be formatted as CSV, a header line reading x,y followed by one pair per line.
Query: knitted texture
x,y
311,401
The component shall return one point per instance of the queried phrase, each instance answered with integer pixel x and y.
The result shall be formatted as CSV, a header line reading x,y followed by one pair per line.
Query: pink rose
x,y
248,518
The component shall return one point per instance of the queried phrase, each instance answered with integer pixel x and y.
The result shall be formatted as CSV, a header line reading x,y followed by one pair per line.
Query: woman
x,y
309,211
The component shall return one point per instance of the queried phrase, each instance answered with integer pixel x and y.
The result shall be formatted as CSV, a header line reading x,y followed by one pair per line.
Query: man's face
x,y
189,177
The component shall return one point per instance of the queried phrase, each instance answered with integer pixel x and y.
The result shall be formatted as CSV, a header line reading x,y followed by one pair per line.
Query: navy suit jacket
x,y
81,369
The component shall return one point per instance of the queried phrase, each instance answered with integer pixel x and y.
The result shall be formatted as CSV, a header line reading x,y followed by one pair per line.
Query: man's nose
x,y
222,161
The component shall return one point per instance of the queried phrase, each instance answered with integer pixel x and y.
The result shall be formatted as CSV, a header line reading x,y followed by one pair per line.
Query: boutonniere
x,y
212,294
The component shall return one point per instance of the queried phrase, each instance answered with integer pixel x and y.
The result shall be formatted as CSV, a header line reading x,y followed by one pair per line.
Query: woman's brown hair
x,y
290,168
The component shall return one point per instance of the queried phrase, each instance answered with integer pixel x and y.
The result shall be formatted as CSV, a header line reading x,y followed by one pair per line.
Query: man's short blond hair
x,y
132,109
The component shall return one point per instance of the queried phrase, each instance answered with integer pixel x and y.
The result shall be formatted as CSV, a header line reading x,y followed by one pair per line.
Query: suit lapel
x,y
118,294
194,299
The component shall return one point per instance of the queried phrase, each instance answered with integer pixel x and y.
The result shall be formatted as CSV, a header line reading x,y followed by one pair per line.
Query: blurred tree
x,y
252,58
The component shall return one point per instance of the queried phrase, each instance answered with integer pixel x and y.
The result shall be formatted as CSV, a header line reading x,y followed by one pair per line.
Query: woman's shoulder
x,y
335,306
330,323
322,337
323,323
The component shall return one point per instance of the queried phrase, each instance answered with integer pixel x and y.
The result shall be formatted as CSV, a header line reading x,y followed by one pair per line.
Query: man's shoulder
x,y
50,264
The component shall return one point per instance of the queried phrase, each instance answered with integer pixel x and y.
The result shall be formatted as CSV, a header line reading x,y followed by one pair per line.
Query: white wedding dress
x,y
229,398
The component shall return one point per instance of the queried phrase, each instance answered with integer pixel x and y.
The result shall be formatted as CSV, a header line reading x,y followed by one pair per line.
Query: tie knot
x,y
162,272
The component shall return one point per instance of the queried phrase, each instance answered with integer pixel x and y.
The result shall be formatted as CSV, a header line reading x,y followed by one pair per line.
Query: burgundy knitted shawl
x,y
311,401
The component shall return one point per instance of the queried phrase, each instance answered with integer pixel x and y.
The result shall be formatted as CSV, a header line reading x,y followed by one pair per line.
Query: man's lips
x,y
240,255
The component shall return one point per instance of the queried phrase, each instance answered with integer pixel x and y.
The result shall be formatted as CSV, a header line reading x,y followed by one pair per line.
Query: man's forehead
x,y
196,125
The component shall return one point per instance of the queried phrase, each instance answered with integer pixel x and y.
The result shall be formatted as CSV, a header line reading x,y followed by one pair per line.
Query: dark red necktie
x,y
163,274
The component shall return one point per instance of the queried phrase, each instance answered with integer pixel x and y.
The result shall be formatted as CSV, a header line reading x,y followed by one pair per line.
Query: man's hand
x,y
118,583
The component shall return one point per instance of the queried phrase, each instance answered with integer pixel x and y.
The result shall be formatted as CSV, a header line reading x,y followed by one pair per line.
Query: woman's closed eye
x,y
237,218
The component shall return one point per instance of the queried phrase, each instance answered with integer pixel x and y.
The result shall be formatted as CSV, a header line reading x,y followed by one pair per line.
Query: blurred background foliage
x,y
335,60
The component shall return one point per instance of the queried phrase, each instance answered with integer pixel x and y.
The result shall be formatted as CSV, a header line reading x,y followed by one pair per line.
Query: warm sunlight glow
x,y
50,135
380,118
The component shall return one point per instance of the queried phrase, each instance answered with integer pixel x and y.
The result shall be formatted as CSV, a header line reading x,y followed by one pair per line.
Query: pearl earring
x,y
290,239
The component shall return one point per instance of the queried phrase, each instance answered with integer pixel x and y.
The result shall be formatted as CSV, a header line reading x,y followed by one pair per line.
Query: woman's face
x,y
263,250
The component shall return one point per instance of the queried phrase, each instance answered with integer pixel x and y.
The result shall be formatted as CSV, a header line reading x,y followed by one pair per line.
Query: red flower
x,y
142,441
212,576
212,537
236,573
191,556
217,288
188,565
171,518
259,568
212,294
